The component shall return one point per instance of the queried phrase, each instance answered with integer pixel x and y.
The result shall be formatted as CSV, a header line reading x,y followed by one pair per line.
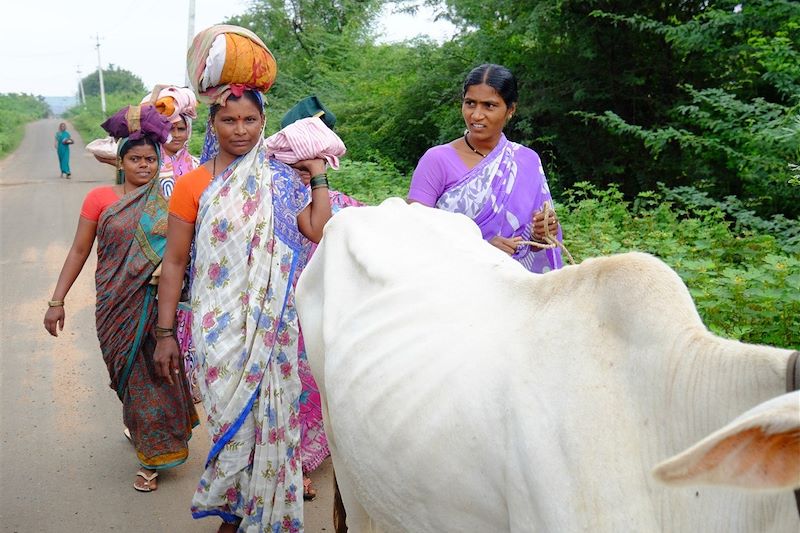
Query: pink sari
x,y
313,442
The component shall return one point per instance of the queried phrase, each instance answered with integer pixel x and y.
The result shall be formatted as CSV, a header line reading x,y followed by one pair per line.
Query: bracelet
x,y
159,329
318,181
164,334
55,303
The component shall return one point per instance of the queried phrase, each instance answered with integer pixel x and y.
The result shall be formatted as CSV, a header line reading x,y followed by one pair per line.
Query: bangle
x,y
55,303
318,181
159,329
164,334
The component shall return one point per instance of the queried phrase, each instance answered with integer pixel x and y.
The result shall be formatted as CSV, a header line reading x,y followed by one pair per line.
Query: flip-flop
x,y
147,479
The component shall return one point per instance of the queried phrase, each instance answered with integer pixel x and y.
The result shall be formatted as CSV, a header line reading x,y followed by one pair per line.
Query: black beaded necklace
x,y
466,140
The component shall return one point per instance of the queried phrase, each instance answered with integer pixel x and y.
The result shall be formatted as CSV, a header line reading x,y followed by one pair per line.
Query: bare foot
x,y
309,493
228,528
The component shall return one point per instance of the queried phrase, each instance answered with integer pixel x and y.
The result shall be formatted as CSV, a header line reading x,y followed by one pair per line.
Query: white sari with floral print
x,y
245,334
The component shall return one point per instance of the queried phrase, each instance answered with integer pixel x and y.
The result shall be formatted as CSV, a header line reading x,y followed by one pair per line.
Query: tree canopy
x,y
115,80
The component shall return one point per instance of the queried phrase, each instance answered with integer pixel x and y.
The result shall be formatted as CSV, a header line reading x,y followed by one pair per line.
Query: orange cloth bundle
x,y
229,59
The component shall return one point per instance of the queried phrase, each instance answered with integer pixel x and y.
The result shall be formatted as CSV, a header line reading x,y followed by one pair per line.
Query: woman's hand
x,y
509,246
539,225
308,168
54,320
107,160
167,358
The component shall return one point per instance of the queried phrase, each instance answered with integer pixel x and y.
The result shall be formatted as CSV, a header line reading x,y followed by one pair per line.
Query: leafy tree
x,y
115,80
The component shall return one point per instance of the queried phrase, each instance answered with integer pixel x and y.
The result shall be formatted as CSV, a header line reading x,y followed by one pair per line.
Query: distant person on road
x,y
63,140
130,223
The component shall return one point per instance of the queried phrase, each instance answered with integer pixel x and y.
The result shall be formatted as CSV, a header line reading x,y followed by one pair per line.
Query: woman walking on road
x,y
129,221
247,215
63,140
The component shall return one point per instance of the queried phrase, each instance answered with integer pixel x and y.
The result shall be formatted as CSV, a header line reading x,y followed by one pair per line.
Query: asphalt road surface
x,y
65,465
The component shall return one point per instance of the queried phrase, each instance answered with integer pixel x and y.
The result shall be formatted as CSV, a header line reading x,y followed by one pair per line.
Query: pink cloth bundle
x,y
307,138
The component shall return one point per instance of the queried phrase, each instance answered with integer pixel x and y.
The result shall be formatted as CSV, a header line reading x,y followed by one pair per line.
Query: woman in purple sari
x,y
497,183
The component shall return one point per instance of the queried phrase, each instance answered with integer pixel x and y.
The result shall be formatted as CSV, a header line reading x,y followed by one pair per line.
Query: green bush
x,y
16,110
744,282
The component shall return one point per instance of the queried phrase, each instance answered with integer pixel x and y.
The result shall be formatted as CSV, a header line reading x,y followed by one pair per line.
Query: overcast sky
x,y
43,43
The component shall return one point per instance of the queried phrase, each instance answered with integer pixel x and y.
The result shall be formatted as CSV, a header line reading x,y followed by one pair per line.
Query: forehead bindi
x,y
239,109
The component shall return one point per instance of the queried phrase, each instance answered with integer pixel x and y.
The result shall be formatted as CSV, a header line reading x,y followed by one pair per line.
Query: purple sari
x,y
501,194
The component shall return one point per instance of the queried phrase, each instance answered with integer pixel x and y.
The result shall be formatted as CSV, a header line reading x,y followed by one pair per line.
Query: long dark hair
x,y
497,77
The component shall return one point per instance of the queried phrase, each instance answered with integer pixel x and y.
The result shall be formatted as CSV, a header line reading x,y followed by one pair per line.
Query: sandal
x,y
308,491
145,487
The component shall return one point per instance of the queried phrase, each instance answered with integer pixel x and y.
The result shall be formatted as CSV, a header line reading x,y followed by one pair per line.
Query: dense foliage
x,y
745,282
16,110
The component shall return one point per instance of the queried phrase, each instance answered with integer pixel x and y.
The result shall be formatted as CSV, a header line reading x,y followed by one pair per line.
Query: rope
x,y
549,241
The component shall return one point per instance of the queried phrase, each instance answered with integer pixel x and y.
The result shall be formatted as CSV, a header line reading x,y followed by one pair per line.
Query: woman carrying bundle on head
x,y
247,215
179,105
129,221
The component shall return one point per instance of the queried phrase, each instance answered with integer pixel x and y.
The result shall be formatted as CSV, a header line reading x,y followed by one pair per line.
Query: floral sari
x,y
501,194
245,333
131,237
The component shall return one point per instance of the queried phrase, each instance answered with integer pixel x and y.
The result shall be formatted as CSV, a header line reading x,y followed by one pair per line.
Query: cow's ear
x,y
758,450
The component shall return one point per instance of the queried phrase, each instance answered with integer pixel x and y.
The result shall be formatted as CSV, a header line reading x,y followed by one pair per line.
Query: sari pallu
x,y
130,244
245,333
501,194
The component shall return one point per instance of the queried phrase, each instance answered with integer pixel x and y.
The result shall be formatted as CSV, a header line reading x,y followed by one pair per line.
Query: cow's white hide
x,y
462,393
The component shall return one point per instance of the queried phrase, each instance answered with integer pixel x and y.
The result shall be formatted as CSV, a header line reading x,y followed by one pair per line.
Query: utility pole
x,y
80,86
100,74
189,38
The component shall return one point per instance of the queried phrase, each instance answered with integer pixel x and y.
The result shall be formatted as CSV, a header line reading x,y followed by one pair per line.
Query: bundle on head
x,y
225,60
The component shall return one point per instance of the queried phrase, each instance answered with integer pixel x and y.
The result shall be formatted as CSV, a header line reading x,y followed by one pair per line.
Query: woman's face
x,y
180,133
140,164
238,125
62,127
485,113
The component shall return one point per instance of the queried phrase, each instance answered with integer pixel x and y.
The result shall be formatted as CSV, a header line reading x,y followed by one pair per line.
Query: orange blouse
x,y
185,200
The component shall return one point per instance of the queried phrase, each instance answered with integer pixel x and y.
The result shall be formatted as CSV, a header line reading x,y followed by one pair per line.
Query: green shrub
x,y
744,282
16,110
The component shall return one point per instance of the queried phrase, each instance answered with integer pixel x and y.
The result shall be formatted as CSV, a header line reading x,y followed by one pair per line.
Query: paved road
x,y
64,464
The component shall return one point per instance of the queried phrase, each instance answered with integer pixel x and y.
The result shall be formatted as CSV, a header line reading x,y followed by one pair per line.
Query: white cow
x,y
462,393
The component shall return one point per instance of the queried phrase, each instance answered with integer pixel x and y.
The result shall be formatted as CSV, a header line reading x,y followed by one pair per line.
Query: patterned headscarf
x,y
225,60
135,122
175,103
